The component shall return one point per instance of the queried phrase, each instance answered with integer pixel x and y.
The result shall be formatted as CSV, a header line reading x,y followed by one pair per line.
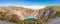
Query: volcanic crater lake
x,y
30,19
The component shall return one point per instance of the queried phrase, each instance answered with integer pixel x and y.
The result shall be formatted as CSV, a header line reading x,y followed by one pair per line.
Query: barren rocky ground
x,y
4,22
54,21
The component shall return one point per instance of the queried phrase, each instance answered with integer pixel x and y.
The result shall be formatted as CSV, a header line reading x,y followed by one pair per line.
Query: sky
x,y
30,3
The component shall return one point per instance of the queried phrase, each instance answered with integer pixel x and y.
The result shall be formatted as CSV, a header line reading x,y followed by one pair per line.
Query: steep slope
x,y
19,14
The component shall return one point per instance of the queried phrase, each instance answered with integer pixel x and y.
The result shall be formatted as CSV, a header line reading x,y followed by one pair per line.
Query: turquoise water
x,y
30,19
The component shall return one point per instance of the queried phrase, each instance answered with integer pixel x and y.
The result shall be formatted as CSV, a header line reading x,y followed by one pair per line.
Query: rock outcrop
x,y
50,12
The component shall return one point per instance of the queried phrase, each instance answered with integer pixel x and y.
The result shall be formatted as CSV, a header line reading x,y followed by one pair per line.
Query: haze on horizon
x,y
32,4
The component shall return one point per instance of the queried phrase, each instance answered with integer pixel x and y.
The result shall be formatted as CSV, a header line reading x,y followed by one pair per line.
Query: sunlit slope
x,y
57,8
18,14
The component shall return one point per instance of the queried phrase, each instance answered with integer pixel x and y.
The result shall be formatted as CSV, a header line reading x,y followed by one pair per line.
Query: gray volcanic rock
x,y
54,21
52,12
49,13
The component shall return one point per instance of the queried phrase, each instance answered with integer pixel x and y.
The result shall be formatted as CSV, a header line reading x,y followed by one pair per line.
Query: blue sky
x,y
29,2
35,4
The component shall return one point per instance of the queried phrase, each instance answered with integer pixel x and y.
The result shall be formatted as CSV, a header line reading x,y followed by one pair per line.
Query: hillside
x,y
21,14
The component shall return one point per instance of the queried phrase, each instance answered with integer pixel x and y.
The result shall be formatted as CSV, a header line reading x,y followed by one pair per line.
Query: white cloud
x,y
34,7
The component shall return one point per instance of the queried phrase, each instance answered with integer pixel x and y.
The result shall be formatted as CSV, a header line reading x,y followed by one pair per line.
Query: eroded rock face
x,y
23,13
52,12
49,13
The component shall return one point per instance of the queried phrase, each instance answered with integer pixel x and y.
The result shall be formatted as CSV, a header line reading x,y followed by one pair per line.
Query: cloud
x,y
34,7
